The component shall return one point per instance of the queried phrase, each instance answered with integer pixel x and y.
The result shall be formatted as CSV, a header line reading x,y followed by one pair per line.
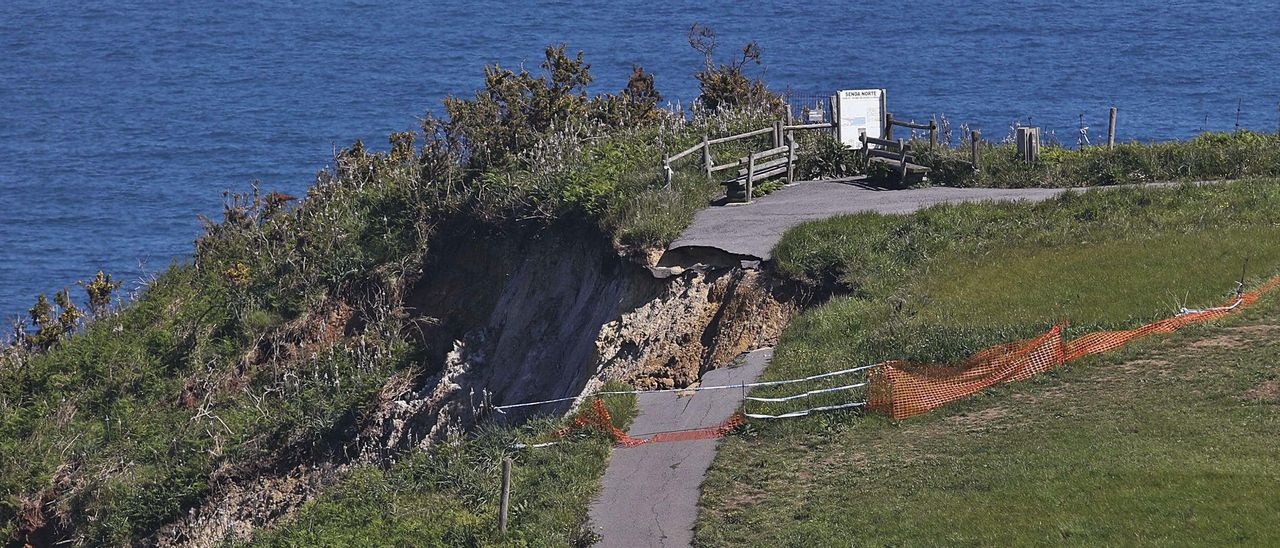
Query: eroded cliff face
x,y
513,317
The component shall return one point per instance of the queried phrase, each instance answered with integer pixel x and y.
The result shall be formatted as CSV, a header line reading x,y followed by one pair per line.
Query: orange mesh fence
x,y
901,389
598,417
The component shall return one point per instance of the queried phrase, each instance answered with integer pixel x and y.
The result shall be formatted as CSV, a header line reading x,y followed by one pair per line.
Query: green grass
x,y
1099,452
1097,285
448,495
1154,444
1208,156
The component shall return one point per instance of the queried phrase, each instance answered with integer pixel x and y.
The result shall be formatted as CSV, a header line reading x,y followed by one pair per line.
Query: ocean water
x,y
121,122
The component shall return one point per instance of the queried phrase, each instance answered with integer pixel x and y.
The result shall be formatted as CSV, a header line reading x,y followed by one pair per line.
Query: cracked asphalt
x,y
650,491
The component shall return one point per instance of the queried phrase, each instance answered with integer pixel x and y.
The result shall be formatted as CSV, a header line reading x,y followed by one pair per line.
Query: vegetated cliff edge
x,y
510,316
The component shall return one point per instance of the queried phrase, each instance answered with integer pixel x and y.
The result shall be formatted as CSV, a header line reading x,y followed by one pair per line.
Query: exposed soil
x,y
532,315
1266,391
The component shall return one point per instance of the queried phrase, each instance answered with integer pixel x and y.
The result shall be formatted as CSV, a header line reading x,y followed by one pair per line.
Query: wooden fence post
x,y
902,166
666,171
933,132
791,158
1111,129
835,117
706,156
1028,144
505,499
888,126
974,136
866,150
777,134
751,174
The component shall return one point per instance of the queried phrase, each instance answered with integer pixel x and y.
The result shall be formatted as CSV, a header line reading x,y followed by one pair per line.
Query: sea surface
x,y
120,122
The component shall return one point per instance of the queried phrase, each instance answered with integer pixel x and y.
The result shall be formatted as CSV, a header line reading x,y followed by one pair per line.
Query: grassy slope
x,y
124,424
448,496
1156,444
1097,453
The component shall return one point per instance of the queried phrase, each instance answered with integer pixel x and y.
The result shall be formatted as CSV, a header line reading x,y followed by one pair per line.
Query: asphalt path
x,y
753,229
650,491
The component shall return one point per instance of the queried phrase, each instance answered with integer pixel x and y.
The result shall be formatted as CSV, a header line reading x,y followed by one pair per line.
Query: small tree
x,y
514,108
726,85
636,105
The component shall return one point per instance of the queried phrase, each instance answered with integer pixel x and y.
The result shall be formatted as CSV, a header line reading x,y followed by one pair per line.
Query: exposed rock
x,y
530,316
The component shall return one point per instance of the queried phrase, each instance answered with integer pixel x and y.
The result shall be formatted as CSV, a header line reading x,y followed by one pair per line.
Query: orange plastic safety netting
x,y
598,417
902,389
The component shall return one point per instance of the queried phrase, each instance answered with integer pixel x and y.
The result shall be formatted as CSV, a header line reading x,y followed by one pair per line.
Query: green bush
x,y
824,157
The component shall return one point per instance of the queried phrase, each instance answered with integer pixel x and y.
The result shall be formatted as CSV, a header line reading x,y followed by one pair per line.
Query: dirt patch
x,y
978,420
1225,340
1266,391
1257,330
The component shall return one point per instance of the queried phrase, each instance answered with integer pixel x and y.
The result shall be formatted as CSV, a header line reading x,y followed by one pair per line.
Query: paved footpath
x,y
650,491
753,229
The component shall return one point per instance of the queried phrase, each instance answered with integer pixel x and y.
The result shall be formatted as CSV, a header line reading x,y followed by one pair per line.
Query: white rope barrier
x,y
806,412
741,386
807,394
1233,306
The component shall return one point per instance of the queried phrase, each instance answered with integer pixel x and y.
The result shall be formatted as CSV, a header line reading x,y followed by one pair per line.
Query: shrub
x,y
726,85
827,158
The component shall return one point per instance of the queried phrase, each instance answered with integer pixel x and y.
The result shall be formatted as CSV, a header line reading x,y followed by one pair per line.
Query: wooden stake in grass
x,y
505,499
973,150
1111,129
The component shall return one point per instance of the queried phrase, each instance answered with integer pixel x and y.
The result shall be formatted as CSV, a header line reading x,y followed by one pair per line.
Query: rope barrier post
x,y
505,499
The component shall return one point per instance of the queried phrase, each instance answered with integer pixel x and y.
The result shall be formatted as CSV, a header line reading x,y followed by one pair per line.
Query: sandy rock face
x,y
700,322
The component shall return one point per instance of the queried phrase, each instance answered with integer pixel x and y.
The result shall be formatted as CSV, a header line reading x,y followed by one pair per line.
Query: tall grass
x,y
1209,156
448,495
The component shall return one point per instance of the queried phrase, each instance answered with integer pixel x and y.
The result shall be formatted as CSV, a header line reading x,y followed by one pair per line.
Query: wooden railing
x,y
932,127
781,134
897,154
759,166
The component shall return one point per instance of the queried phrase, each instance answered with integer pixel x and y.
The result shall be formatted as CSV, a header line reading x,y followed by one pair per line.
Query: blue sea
x,y
121,122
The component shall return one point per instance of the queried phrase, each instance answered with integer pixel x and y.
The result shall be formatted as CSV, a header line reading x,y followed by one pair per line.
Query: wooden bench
x,y
895,154
757,167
